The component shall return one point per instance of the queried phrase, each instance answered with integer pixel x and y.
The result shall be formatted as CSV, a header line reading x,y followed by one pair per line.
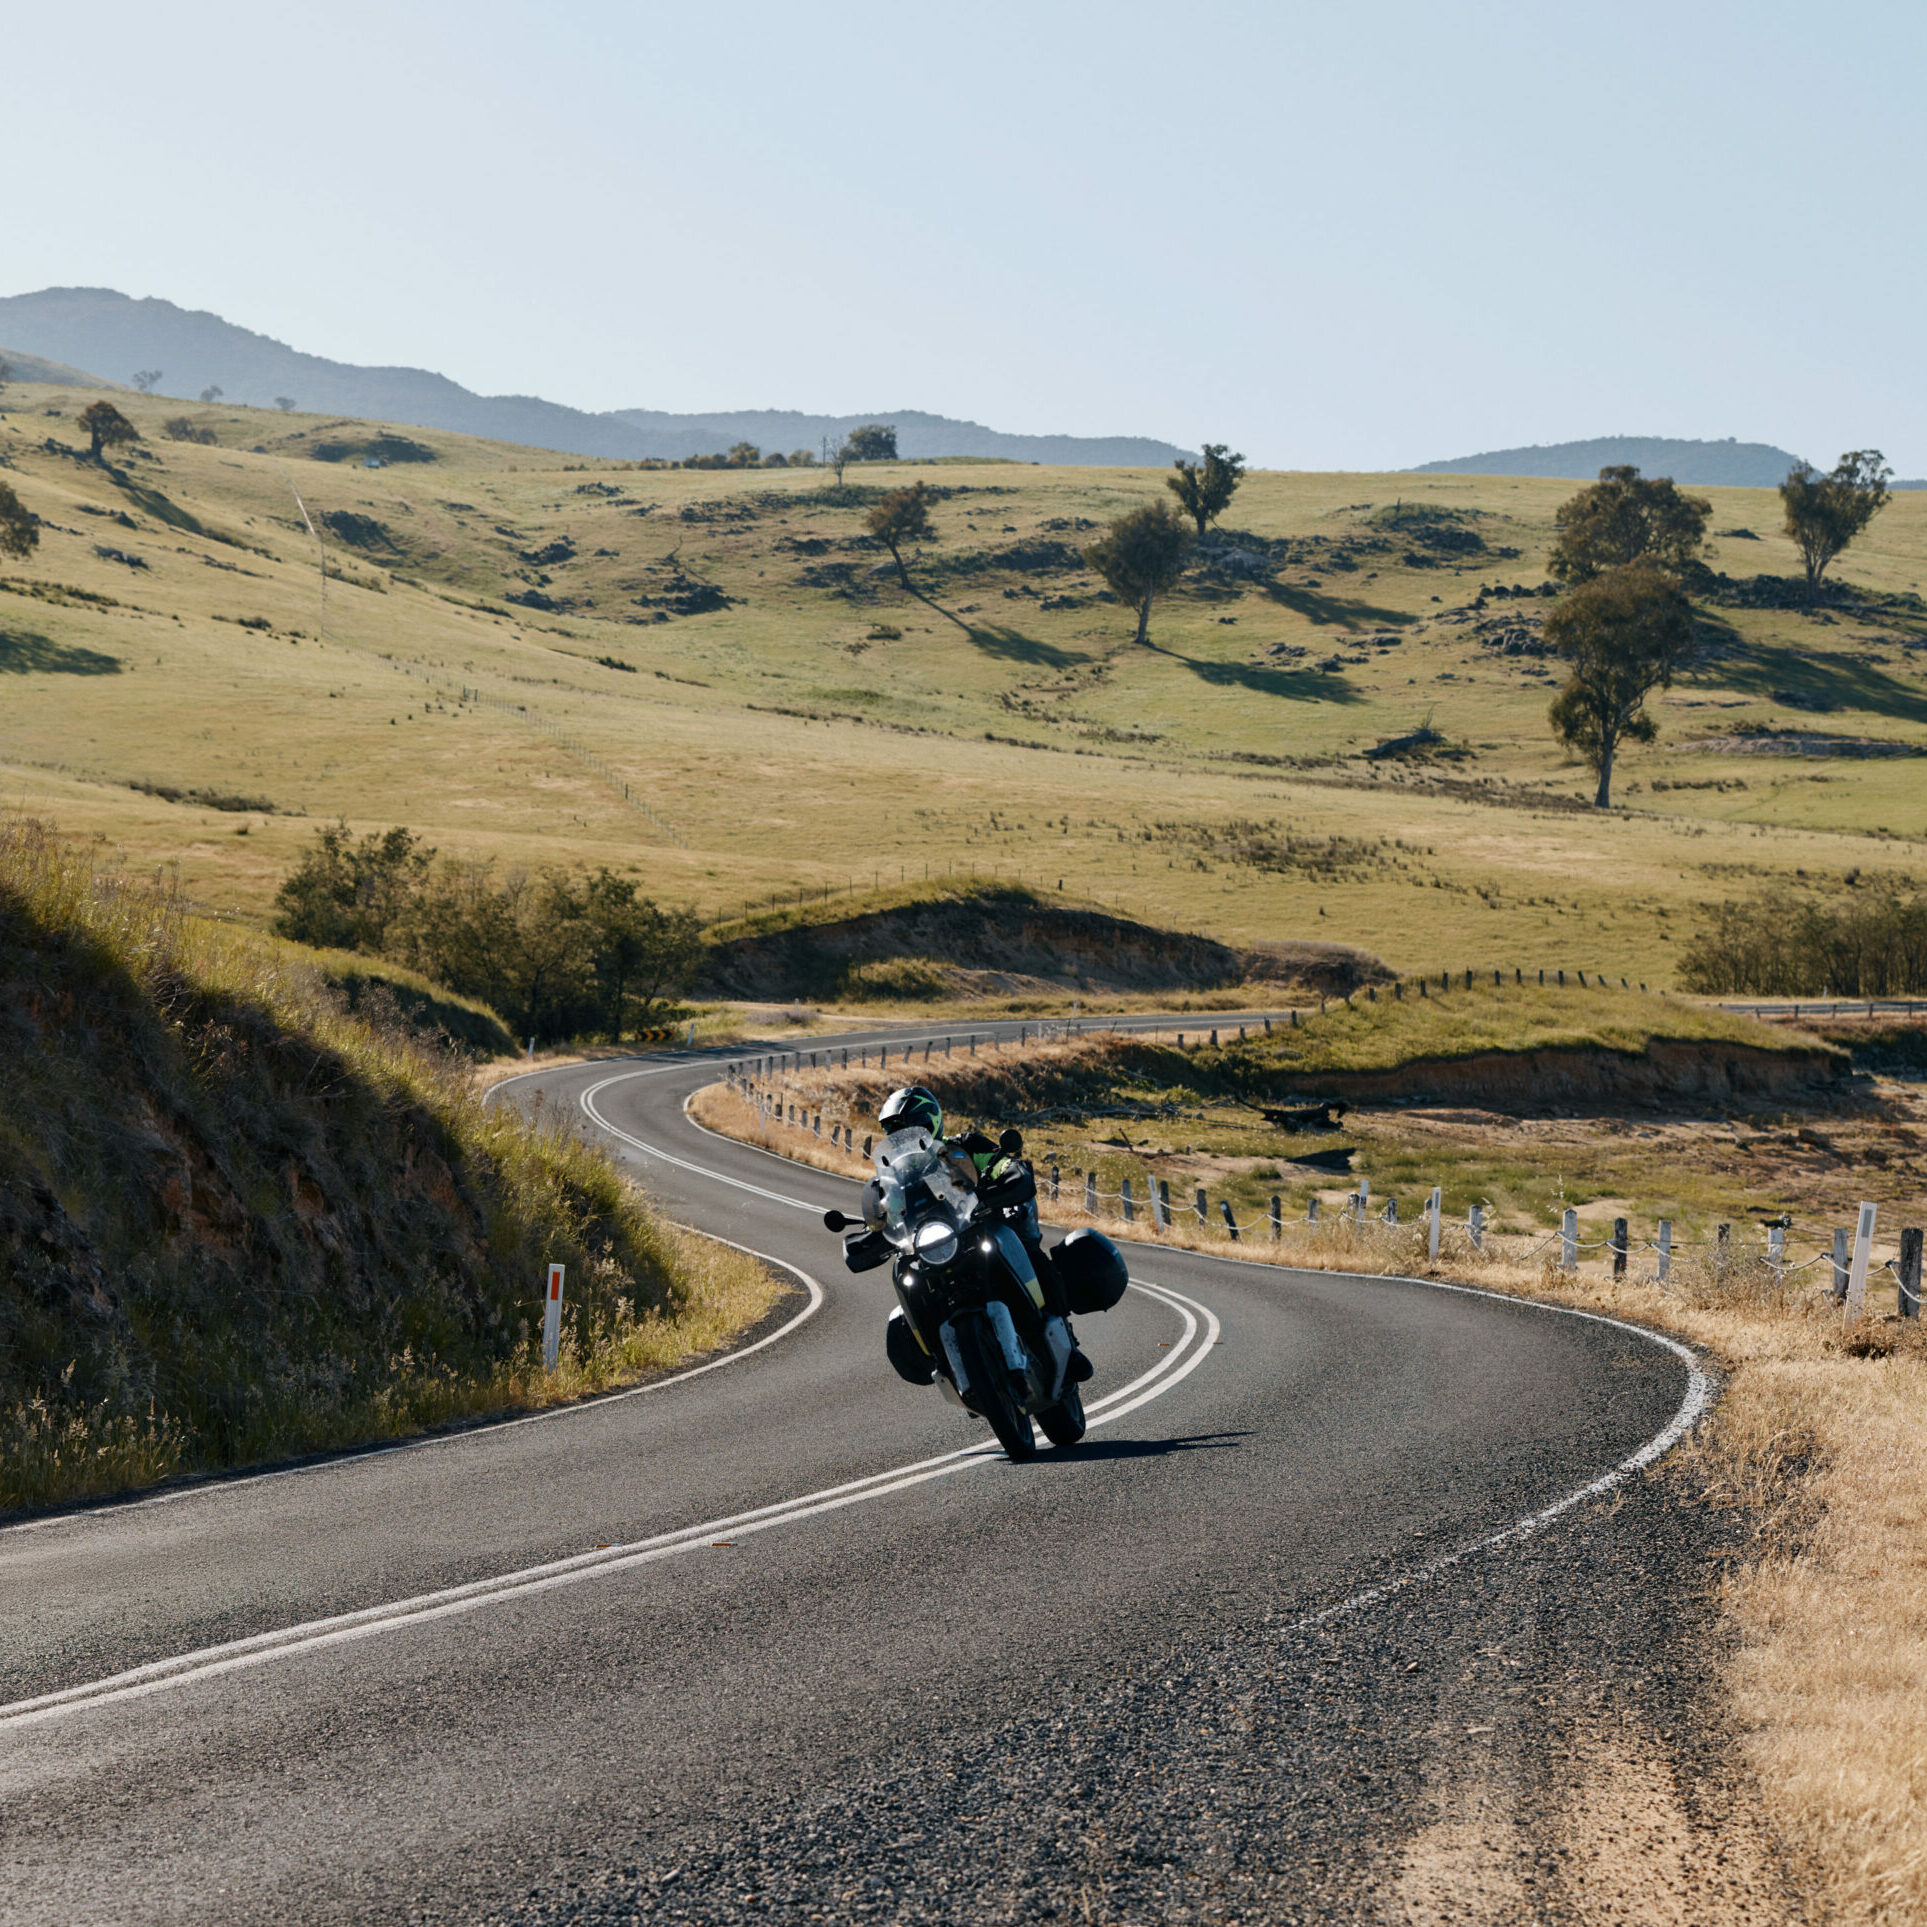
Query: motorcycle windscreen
x,y
913,1179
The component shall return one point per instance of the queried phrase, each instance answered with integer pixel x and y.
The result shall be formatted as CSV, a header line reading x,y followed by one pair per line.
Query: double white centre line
x,y
233,1656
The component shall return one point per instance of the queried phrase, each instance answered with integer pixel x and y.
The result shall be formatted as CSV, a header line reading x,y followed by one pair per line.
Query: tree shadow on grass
x,y
1334,612
1799,679
999,639
25,655
1290,685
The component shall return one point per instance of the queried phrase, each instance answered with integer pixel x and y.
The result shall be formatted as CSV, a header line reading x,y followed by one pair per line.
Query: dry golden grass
x,y
1820,1434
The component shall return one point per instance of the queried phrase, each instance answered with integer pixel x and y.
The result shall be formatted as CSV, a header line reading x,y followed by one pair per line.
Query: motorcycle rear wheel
x,y
984,1364
1063,1422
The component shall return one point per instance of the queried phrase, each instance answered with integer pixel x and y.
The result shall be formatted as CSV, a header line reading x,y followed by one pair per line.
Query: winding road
x,y
782,1637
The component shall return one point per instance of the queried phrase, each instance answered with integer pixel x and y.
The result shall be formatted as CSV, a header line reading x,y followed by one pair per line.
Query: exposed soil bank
x,y
995,940
1667,1073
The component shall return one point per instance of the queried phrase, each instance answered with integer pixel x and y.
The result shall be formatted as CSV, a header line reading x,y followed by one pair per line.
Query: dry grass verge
x,y
1819,1438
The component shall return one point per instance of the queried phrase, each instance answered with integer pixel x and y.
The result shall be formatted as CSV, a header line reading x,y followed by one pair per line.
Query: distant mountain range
x,y
1727,464
115,334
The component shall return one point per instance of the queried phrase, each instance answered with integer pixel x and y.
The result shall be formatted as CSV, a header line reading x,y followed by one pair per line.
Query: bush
x,y
1873,945
177,428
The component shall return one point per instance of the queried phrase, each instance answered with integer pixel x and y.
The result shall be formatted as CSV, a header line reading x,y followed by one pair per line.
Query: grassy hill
x,y
710,679
236,1221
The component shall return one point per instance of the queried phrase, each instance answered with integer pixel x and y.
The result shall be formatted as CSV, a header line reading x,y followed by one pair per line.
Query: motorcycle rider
x,y
1003,1180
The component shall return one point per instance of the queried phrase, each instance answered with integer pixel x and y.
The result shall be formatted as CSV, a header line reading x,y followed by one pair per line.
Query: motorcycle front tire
x,y
983,1362
1063,1422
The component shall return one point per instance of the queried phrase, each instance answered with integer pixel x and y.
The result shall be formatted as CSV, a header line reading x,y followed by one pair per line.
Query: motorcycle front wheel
x,y
984,1363
1063,1422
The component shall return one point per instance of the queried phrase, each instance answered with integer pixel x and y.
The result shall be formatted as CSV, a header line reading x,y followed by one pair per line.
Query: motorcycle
x,y
971,1313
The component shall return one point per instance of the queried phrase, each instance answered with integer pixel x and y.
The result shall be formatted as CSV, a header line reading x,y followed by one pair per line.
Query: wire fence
x,y
1761,1259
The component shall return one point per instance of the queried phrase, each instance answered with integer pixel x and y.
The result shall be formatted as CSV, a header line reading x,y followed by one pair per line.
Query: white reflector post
x,y
1862,1251
552,1320
1432,1212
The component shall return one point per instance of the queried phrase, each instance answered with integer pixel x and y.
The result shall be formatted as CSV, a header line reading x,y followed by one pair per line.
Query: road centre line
x,y
1691,1409
1200,1333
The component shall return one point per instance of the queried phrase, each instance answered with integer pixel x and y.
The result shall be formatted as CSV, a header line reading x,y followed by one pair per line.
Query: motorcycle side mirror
x,y
835,1221
1011,1143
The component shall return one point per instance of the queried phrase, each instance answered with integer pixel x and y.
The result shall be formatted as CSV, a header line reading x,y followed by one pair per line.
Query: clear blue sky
x,y
1336,235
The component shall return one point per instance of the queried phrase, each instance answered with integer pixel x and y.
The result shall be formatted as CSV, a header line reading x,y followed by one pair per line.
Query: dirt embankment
x,y
993,942
1667,1073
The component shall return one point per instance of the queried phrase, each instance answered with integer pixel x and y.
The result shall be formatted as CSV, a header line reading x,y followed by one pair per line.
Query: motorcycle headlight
x,y
936,1242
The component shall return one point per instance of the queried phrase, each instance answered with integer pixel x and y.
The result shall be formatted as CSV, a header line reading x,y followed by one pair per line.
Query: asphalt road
x,y
786,1638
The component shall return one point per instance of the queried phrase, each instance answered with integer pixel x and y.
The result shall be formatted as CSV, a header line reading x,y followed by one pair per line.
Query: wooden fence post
x,y
1475,1226
1053,1180
1841,1260
1619,1247
1433,1210
1199,1205
1130,1210
1230,1223
1164,1203
1665,1248
1311,1211
1569,1240
1090,1194
1277,1219
1910,1240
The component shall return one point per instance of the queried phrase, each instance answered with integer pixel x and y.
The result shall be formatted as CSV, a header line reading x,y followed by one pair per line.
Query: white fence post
x,y
1569,1240
1776,1248
1432,1212
1862,1253
1475,1226
552,1320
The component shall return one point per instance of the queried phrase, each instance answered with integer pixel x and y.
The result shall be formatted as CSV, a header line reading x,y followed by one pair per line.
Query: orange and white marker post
x,y
552,1319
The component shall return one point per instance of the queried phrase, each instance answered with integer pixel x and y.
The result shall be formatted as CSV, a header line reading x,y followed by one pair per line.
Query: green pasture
x,y
807,726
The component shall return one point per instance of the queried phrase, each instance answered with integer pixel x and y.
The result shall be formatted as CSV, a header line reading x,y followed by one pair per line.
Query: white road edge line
x,y
1692,1407
388,1448
286,1642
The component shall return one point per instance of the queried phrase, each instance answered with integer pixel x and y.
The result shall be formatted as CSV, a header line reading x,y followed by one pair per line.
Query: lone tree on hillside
x,y
1825,512
106,427
1626,517
146,378
19,526
1140,556
1622,634
1204,489
743,455
211,393
902,516
875,443
284,402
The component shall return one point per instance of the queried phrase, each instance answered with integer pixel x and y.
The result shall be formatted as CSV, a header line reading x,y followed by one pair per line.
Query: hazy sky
x,y
1346,235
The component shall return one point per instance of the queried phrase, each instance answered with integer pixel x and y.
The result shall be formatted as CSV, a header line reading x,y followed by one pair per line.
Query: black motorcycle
x,y
971,1314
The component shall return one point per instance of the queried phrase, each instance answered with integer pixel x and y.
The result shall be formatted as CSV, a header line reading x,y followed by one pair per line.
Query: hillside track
x,y
787,1639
